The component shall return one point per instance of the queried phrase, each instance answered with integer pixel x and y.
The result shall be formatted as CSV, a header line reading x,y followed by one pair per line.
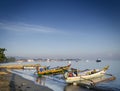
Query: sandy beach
x,y
13,82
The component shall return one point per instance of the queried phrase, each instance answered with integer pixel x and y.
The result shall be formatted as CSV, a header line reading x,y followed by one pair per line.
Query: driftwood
x,y
92,83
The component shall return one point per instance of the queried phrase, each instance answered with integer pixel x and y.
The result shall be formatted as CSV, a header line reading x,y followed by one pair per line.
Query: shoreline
x,y
13,82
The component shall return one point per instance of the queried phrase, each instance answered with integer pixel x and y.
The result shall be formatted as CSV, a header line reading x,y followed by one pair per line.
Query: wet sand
x,y
13,82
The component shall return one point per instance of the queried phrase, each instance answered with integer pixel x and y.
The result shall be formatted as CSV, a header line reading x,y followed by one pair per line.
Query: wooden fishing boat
x,y
56,70
87,75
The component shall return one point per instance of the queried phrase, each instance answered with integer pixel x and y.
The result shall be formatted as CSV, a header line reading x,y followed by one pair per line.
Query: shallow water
x,y
59,85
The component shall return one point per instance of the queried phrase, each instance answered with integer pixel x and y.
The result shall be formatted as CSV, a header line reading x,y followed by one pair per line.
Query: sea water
x,y
58,84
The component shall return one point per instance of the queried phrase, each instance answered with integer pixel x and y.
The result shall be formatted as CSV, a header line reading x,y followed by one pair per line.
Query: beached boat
x,y
70,77
57,70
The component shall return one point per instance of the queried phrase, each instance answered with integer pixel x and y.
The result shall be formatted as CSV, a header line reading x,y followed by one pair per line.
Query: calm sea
x,y
59,85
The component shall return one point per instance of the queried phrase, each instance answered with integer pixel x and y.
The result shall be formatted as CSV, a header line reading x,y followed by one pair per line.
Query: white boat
x,y
87,75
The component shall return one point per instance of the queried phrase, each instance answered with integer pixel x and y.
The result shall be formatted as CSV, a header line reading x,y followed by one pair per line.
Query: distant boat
x,y
76,60
98,60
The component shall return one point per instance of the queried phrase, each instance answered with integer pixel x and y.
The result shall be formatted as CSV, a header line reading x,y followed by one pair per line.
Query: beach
x,y
13,82
26,80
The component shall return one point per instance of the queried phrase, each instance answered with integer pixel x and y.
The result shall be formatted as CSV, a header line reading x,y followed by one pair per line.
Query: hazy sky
x,y
61,28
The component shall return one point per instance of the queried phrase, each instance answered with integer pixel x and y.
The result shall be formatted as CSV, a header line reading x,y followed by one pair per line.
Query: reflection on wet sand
x,y
41,80
74,88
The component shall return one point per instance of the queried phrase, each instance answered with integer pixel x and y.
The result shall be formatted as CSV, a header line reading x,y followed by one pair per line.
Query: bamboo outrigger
x,y
91,83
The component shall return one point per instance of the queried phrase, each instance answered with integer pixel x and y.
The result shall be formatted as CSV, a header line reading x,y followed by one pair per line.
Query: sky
x,y
86,29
